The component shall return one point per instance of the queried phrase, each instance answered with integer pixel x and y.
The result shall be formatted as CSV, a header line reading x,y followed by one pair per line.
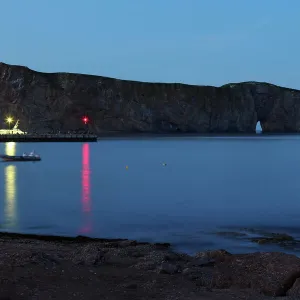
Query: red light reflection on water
x,y
86,188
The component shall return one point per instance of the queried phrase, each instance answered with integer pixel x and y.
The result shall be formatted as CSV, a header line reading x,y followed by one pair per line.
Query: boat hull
x,y
19,158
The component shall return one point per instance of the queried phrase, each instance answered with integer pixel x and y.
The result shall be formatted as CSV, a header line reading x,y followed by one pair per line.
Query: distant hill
x,y
57,101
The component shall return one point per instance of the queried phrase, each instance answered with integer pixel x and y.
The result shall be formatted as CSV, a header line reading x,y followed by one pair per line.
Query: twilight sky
x,y
205,42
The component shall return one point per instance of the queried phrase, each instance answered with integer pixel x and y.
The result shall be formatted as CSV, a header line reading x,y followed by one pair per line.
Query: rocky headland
x,y
47,102
48,267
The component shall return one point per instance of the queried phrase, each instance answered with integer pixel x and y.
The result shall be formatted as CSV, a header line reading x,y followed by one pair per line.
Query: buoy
x,y
126,167
164,164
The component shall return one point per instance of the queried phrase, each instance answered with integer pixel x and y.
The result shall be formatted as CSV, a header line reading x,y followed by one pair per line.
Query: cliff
x,y
57,101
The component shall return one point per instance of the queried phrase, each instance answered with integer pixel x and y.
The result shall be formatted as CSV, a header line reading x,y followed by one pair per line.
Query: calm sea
x,y
180,190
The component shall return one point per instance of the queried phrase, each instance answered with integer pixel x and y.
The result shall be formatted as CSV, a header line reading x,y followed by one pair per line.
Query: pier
x,y
48,138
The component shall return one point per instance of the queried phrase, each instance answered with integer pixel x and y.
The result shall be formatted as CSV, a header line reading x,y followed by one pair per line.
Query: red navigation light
x,y
85,119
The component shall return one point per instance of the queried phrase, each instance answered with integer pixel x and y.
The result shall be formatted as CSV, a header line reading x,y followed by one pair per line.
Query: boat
x,y
32,156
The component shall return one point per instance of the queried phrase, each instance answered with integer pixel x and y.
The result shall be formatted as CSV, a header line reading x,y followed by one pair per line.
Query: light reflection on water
x,y
86,189
10,200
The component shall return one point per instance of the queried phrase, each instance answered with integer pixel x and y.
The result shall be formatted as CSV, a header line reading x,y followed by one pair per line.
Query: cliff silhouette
x,y
45,102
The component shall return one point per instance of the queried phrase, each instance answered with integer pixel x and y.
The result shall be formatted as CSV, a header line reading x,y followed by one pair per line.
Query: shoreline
x,y
119,134
135,135
45,266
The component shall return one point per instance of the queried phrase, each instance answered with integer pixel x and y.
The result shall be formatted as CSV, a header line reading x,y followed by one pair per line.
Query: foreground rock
x,y
45,102
262,237
38,267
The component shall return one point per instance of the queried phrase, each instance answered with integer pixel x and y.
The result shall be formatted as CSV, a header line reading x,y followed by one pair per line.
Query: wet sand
x,y
45,267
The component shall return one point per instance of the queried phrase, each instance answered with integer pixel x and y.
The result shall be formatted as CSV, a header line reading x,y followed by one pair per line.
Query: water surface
x,y
179,189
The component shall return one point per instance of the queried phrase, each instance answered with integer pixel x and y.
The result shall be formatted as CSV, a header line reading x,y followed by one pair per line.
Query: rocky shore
x,y
45,267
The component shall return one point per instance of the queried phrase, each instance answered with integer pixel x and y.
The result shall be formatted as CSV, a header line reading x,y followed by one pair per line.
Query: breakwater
x,y
48,138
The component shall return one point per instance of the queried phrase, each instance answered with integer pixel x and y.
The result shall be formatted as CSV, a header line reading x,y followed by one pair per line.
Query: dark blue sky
x,y
209,42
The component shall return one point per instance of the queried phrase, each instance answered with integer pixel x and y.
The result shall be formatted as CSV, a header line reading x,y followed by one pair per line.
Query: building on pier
x,y
14,130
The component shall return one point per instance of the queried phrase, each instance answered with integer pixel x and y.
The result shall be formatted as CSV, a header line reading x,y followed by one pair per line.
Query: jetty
x,y
48,138
15,134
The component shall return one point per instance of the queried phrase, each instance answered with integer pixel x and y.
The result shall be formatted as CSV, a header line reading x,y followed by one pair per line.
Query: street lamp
x,y
9,121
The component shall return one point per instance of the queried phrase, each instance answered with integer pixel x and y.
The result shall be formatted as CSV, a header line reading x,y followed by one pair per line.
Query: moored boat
x,y
32,156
